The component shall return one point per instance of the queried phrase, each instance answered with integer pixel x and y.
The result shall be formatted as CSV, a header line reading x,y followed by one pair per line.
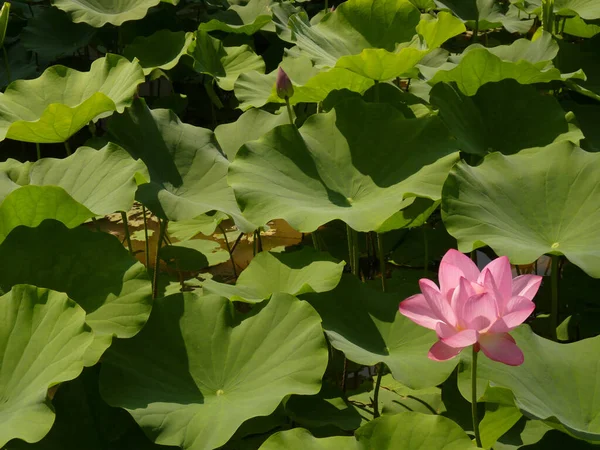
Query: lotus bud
x,y
285,89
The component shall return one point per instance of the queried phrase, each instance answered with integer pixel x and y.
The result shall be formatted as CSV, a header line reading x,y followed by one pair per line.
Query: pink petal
x,y
417,309
526,286
442,352
501,347
462,262
461,294
449,276
462,339
501,272
478,308
437,303
518,310
444,330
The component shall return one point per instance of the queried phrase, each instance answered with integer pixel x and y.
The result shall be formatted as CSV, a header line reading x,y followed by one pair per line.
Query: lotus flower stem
x,y
315,240
376,392
38,151
474,396
6,64
554,274
350,247
161,236
68,148
381,261
146,243
229,250
289,110
426,251
127,235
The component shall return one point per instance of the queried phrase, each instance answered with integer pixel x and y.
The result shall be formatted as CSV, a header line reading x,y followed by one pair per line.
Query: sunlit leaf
x,y
213,368
162,50
43,337
543,200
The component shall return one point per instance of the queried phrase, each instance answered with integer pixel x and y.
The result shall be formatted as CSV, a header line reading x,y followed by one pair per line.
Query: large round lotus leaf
x,y
204,224
437,30
354,26
525,61
504,117
30,205
93,268
414,431
246,19
294,273
588,9
487,14
194,254
101,180
188,173
301,439
100,12
225,64
542,200
61,101
51,34
367,327
162,50
250,126
213,368
556,382
43,338
402,431
254,89
356,163
381,65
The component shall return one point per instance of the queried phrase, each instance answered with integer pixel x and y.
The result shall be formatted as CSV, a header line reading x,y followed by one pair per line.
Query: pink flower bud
x,y
285,89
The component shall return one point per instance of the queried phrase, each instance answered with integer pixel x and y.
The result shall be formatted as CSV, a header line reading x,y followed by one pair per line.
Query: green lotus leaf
x,y
93,268
481,122
418,431
13,174
255,90
294,175
225,64
51,33
354,26
61,101
410,430
487,14
212,368
525,61
302,439
381,65
293,273
501,415
162,50
587,9
437,30
187,170
548,365
242,19
101,180
99,13
576,26
249,126
538,201
43,337
369,329
30,205
194,255
205,224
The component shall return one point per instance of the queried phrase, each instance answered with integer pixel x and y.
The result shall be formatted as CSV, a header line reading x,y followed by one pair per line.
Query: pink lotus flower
x,y
474,308
283,85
